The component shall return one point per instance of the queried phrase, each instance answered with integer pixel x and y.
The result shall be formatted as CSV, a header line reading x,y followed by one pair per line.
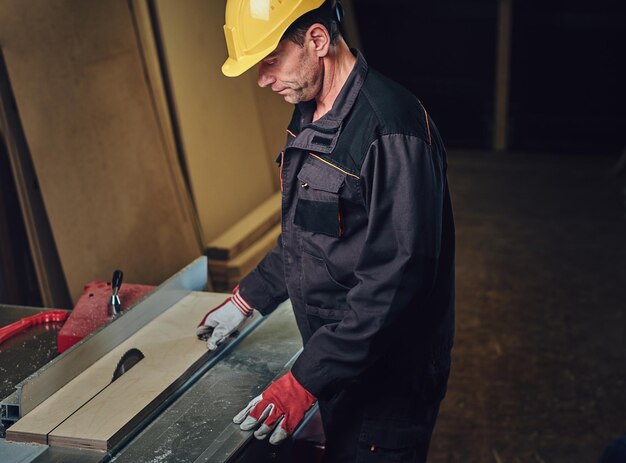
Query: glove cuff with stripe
x,y
241,303
223,320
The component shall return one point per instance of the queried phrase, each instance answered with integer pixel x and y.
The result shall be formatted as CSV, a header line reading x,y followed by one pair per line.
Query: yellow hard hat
x,y
254,27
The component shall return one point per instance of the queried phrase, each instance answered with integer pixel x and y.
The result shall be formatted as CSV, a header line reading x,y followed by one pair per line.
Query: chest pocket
x,y
318,209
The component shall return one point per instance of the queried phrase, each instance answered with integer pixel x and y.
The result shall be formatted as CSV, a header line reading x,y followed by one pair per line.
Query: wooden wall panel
x,y
111,188
230,136
274,114
31,217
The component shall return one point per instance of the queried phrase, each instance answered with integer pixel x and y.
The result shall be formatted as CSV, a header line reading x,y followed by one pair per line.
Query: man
x,y
366,252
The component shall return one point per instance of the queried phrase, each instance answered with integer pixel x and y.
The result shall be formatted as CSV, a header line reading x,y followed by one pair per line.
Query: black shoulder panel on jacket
x,y
383,107
398,110
359,130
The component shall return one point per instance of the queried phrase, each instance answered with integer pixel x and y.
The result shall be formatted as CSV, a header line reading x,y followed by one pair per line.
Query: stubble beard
x,y
308,84
295,96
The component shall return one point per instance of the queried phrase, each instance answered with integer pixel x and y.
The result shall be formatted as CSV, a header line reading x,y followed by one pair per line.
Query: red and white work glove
x,y
223,320
280,408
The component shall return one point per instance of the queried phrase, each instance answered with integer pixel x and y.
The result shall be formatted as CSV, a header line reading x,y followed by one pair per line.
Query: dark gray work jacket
x,y
366,252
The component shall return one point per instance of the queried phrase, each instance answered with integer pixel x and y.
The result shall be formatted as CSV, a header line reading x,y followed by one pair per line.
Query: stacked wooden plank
x,y
240,248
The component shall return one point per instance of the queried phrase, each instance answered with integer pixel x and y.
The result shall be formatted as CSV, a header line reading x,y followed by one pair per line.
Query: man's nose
x,y
265,78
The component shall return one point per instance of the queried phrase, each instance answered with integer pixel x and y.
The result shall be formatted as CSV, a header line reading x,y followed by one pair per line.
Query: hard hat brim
x,y
234,68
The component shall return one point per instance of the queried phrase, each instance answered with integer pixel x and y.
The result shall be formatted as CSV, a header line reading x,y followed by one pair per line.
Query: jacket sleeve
x,y
403,180
264,287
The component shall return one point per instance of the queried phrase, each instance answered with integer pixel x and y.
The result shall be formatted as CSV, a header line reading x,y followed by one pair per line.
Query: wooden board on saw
x,y
225,274
240,236
93,412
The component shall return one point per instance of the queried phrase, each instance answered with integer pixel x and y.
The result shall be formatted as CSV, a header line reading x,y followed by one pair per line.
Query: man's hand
x,y
223,320
282,406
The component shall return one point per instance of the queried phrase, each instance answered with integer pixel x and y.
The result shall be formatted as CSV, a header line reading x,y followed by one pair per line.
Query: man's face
x,y
292,71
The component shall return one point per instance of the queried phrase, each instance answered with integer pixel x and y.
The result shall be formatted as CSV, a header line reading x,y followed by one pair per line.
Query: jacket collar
x,y
322,135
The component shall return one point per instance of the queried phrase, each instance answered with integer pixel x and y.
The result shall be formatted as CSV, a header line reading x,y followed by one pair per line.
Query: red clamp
x,y
49,316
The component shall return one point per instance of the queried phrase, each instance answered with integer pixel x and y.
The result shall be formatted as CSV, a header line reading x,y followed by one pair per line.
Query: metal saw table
x,y
195,423
26,352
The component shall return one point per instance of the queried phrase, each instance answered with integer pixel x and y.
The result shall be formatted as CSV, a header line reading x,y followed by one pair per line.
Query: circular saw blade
x,y
128,360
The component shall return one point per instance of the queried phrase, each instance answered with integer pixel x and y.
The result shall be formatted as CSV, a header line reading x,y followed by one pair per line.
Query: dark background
x,y
567,68
538,361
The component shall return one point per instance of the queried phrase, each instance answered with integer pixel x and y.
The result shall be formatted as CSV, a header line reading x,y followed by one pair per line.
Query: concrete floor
x,y
539,371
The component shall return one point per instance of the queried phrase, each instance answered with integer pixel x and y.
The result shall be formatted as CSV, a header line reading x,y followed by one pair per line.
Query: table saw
x,y
186,418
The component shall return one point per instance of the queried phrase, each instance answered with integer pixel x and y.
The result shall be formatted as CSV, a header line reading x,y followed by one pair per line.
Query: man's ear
x,y
319,39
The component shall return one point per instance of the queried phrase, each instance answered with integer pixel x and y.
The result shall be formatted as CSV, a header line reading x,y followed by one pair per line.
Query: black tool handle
x,y
116,280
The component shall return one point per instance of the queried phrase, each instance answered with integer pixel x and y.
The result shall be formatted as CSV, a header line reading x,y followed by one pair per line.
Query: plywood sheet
x,y
225,130
274,114
111,188
47,266
92,412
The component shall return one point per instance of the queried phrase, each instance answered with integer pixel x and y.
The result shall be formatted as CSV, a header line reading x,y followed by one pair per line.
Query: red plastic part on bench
x,y
49,316
92,310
